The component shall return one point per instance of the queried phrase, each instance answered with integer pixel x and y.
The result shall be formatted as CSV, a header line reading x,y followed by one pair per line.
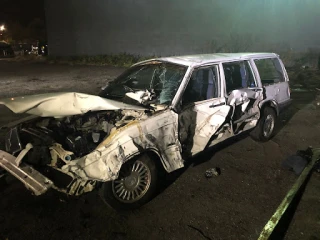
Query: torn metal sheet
x,y
200,124
203,125
141,96
62,104
31,178
105,161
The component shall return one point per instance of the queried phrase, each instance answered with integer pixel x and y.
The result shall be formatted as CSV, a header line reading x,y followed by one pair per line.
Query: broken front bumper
x,y
32,179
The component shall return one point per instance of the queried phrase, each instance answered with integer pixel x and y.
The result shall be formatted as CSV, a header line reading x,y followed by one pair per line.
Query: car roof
x,y
202,59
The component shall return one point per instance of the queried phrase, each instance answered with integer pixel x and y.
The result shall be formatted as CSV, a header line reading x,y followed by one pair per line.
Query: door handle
x,y
217,105
256,89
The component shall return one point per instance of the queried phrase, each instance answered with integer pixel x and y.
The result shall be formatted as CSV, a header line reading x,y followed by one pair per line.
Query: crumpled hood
x,y
62,104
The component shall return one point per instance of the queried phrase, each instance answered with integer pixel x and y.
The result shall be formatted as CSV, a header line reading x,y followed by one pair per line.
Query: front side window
x,y
160,80
238,75
270,71
204,84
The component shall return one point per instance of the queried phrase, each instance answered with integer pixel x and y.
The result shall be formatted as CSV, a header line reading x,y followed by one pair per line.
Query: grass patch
x,y
306,78
119,60
27,58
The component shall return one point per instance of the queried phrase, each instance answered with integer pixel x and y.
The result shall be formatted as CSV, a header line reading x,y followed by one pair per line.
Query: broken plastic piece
x,y
299,161
95,137
212,172
23,153
295,163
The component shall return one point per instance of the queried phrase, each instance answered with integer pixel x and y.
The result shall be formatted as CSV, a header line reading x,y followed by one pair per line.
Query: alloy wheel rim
x,y
268,126
133,182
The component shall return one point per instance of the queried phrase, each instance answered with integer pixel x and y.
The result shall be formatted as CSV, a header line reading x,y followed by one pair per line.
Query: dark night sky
x,y
22,11
87,24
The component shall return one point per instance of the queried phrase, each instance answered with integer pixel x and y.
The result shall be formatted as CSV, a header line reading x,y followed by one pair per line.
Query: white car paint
x,y
169,132
62,104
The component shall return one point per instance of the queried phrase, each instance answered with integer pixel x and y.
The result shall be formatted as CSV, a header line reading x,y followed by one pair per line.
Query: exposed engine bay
x,y
55,141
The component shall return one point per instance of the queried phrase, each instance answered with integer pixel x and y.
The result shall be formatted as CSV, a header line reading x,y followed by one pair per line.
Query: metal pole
x,y
274,220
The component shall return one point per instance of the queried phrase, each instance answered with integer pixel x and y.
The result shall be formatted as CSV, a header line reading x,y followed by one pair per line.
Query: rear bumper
x,y
32,179
284,105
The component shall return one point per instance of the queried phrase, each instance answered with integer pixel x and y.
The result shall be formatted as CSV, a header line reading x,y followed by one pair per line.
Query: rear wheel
x,y
135,185
265,126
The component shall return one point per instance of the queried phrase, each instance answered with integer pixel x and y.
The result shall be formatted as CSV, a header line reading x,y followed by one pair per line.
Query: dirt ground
x,y
235,205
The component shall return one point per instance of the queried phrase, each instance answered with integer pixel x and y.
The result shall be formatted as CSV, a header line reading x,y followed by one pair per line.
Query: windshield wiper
x,y
129,89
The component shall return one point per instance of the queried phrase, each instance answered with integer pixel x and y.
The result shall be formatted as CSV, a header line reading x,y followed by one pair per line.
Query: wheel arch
x,y
110,196
270,103
153,154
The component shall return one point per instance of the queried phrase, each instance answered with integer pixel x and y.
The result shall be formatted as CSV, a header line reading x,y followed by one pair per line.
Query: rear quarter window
x,y
270,70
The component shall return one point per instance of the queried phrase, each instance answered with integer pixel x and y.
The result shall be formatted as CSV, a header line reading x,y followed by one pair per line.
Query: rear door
x,y
274,79
243,94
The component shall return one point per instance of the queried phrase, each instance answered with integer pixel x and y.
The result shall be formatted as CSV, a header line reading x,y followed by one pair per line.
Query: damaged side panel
x,y
157,133
199,122
246,111
209,122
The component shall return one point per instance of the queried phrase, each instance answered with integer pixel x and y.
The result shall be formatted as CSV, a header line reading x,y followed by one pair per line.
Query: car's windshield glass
x,y
155,82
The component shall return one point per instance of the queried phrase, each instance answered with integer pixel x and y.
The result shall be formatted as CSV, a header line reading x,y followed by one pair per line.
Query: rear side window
x,y
238,75
270,70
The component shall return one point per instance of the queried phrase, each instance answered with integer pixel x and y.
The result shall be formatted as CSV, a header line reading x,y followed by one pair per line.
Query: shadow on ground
x,y
299,100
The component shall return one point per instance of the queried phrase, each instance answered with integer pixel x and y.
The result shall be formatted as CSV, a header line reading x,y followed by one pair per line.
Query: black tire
x,y
132,182
265,126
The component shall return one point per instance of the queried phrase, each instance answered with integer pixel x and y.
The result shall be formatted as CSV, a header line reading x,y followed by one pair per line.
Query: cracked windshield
x,y
154,83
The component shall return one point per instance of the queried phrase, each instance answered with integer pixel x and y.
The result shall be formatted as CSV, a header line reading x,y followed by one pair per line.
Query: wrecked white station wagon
x,y
155,115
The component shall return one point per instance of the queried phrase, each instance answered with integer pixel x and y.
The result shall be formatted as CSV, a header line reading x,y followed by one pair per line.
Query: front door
x,y
204,109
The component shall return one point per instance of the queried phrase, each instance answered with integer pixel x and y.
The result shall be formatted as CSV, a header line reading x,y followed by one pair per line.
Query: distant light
x,y
2,28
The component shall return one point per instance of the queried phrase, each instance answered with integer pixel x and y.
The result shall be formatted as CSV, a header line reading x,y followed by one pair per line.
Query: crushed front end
x,y
42,153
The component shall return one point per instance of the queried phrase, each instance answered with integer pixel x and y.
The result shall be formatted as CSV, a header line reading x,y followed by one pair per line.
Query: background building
x,y
167,27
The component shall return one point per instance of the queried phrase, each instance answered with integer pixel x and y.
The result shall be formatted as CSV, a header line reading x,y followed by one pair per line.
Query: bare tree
x,y
239,42
215,46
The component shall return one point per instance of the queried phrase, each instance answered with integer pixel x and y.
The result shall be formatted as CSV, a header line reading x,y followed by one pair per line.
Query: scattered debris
x,y
312,156
295,163
298,161
212,172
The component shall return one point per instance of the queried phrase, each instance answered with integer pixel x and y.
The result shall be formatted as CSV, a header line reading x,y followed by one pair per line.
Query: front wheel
x,y
135,185
265,126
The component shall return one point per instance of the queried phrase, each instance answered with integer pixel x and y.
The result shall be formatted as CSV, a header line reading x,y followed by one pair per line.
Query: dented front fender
x,y
158,133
